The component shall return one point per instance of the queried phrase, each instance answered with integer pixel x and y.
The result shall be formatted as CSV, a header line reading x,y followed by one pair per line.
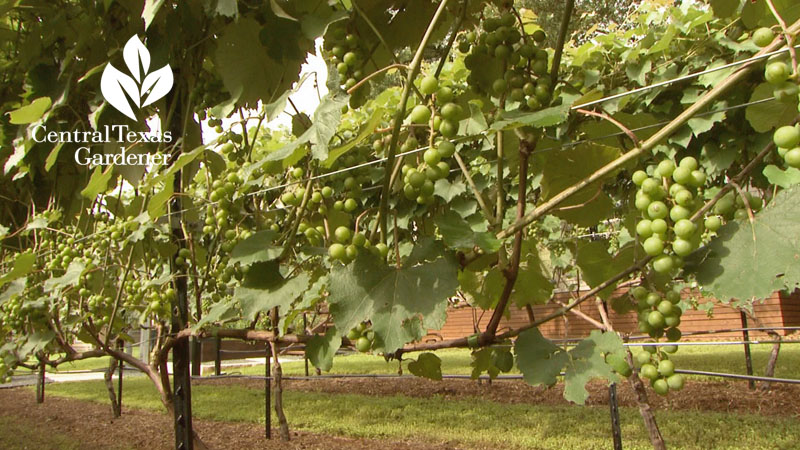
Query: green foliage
x,y
427,365
541,361
752,260
30,113
321,350
399,301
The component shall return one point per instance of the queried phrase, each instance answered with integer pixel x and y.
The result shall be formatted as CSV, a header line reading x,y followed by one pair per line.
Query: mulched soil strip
x,y
91,424
721,396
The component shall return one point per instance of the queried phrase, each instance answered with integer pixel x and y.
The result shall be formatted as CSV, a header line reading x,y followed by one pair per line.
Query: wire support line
x,y
482,377
737,376
689,343
682,78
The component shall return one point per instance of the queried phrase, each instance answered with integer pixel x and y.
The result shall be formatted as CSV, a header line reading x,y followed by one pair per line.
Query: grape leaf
x,y
427,365
458,234
482,289
250,70
532,287
35,342
321,349
257,299
783,178
157,205
482,361
597,265
447,190
14,288
564,168
366,131
70,278
752,261
541,361
765,116
98,183
218,313
716,159
547,117
758,14
637,71
326,119
150,10
256,248
367,288
30,112
475,123
22,266
725,8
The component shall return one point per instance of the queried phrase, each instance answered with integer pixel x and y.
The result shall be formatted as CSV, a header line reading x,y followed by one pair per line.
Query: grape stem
x,y
478,196
374,74
787,35
451,40
562,39
613,121
414,68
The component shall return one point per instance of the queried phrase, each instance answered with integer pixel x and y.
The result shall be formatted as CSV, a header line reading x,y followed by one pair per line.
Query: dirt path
x,y
90,425
696,395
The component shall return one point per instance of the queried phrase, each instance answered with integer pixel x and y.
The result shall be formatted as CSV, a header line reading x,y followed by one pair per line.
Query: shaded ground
x,y
719,396
63,423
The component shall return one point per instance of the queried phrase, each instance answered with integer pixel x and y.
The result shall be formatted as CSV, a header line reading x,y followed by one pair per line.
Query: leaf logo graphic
x,y
142,88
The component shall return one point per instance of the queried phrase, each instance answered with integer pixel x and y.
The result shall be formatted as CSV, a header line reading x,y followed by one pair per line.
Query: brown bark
x,y
108,378
277,393
644,408
773,359
40,384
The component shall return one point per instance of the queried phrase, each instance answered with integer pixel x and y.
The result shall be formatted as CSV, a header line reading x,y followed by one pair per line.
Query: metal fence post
x,y
305,355
119,378
615,426
217,358
268,393
747,357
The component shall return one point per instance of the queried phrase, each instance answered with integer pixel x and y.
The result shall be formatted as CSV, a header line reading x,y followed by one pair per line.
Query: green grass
x,y
454,361
714,358
474,423
18,434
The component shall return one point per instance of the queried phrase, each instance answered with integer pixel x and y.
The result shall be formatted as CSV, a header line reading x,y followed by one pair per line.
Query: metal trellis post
x,y
268,393
747,357
614,407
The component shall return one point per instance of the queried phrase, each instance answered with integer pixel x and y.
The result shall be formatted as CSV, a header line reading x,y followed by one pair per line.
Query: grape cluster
x,y
655,365
787,139
667,200
347,54
732,206
506,63
362,337
659,316
778,73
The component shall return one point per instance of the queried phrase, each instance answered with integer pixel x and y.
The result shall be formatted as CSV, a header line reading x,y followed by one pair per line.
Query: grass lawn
x,y
16,434
471,422
714,358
